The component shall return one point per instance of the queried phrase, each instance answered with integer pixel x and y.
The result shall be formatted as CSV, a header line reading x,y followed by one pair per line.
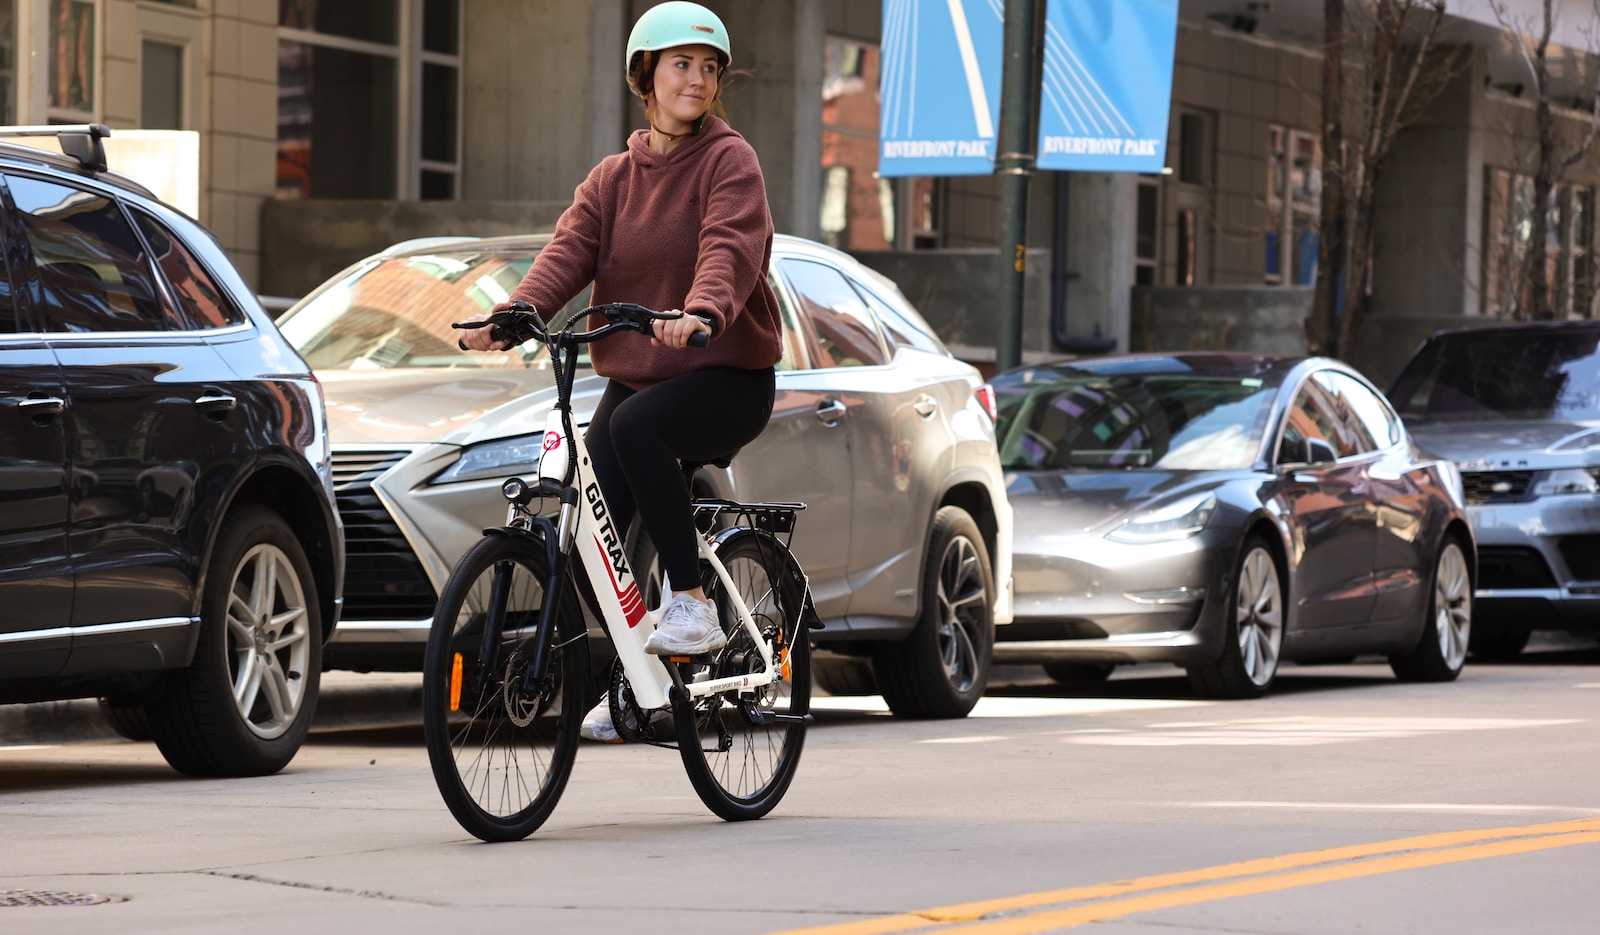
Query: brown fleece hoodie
x,y
690,230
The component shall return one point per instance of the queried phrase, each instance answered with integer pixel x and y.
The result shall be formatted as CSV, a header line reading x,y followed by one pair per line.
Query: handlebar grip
x,y
700,339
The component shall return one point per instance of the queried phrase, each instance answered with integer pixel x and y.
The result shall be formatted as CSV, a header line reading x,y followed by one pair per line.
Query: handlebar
x,y
521,321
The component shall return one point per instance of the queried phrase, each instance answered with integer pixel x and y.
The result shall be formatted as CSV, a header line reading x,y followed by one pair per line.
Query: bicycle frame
x,y
585,521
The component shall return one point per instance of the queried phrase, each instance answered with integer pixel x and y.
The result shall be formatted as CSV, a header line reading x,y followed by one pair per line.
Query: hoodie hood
x,y
643,156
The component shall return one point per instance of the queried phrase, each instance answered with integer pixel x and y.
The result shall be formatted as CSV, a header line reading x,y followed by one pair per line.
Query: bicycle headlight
x,y
494,460
1177,520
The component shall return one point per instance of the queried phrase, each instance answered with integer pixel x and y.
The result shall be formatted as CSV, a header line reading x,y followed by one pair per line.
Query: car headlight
x,y
1570,480
1177,520
495,460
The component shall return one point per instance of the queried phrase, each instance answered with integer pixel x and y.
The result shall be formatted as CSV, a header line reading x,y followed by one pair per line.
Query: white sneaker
x,y
688,628
597,724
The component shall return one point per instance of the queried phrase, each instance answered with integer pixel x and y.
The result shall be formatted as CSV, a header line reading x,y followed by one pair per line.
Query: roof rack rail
x,y
81,141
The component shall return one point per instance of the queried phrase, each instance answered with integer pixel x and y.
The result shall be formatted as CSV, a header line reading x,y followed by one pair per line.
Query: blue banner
x,y
940,88
1107,85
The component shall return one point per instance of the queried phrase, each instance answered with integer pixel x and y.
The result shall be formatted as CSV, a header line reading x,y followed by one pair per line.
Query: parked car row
x,y
195,494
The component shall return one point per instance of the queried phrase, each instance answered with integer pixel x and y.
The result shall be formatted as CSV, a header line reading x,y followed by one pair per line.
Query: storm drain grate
x,y
50,898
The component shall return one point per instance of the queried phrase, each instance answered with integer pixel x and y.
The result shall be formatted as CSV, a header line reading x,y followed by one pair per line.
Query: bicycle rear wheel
x,y
501,743
739,757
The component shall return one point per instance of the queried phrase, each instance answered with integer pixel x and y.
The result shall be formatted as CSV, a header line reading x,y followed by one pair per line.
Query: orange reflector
x,y
455,683
680,658
783,663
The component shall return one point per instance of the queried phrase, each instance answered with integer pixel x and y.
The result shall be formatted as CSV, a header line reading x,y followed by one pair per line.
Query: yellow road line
x,y
1442,848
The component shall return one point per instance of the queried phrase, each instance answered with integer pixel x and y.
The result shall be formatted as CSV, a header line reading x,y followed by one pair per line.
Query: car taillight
x,y
985,397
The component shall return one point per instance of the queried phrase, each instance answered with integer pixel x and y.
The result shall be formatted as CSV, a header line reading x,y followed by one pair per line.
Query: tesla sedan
x,y
1226,513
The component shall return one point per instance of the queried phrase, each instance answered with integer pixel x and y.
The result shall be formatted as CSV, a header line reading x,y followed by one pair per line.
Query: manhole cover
x,y
50,898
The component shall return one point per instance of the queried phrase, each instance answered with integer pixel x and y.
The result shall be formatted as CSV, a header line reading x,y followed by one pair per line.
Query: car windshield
x,y
1064,419
396,313
1500,376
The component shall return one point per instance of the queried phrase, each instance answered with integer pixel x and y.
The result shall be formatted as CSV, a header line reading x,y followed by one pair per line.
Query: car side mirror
x,y
1318,451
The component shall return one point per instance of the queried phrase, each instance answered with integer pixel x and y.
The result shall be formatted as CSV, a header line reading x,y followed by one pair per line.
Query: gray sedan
x,y
1225,513
888,438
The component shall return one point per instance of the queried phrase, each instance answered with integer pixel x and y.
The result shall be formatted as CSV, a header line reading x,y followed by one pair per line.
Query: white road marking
x,y
1015,707
1291,731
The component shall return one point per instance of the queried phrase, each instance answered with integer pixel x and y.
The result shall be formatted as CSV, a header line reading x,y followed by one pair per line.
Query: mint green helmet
x,y
676,23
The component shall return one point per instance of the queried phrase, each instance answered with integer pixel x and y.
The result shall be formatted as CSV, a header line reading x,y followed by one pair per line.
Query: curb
x,y
345,701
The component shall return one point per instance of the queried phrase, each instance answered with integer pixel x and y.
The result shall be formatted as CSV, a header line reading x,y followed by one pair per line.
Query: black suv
x,y
168,541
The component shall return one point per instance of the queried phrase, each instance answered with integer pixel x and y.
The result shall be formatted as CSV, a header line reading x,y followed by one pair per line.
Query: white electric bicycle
x,y
507,677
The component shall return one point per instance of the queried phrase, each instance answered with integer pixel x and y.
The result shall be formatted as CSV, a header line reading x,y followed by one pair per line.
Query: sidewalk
x,y
346,700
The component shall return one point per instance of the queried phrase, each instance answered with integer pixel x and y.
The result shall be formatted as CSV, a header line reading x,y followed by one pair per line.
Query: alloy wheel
x,y
269,641
1259,614
962,612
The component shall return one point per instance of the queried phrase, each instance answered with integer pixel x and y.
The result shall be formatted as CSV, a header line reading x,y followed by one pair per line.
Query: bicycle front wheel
x,y
501,738
741,749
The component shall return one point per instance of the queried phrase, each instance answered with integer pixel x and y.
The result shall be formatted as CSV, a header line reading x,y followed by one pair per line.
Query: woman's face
x,y
685,83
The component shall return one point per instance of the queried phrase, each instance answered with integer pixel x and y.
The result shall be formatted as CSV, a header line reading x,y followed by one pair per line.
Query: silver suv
x,y
1517,407
888,438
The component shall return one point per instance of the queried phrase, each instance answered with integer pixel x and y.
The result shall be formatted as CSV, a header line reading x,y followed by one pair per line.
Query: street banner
x,y
940,91
1107,85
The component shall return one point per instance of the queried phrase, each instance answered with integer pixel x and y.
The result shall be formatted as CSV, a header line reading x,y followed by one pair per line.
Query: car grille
x,y
1497,486
383,580
1582,554
1510,567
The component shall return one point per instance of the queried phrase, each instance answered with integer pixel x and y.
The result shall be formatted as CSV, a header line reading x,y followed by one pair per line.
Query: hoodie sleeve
x,y
565,266
735,235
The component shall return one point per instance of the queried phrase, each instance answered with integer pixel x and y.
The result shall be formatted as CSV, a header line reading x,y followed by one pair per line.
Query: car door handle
x,y
926,406
830,411
216,406
41,406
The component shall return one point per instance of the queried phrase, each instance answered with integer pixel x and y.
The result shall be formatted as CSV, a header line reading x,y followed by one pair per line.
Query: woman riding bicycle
x,y
679,221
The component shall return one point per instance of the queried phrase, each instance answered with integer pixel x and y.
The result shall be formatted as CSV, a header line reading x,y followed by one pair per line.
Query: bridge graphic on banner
x,y
937,118
1080,102
1107,85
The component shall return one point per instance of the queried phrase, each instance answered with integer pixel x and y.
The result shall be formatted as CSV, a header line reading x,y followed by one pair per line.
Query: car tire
x,y
1447,629
1499,641
126,717
942,668
260,630
1253,635
844,675
1070,673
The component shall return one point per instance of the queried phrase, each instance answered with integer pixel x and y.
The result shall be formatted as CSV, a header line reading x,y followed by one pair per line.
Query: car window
x,y
203,303
900,327
8,308
794,338
1062,417
93,273
1319,413
1370,411
1503,375
846,334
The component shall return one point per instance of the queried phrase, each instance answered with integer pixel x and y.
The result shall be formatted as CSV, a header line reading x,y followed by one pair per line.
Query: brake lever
x,y
511,327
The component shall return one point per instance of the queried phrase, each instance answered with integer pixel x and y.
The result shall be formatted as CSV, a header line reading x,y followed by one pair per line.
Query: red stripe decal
x,y
632,603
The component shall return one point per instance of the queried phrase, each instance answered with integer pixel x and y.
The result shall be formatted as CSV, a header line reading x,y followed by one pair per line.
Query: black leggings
x,y
637,439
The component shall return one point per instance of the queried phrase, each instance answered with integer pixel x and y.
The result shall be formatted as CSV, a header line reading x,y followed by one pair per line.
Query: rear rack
x,y
80,141
776,518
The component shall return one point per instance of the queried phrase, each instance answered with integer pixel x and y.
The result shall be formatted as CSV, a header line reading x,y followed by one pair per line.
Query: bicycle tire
x,y
501,756
739,768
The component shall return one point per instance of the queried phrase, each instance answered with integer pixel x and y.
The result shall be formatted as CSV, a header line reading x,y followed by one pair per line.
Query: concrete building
x,y
330,128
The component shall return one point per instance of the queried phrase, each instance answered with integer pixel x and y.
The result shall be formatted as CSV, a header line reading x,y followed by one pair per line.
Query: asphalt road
x,y
1344,802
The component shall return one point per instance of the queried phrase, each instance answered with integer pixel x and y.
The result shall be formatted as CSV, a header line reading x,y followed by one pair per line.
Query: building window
x,y
1568,248
345,70
70,85
440,161
853,202
1185,265
1147,232
1294,206
1193,148
161,86
8,62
